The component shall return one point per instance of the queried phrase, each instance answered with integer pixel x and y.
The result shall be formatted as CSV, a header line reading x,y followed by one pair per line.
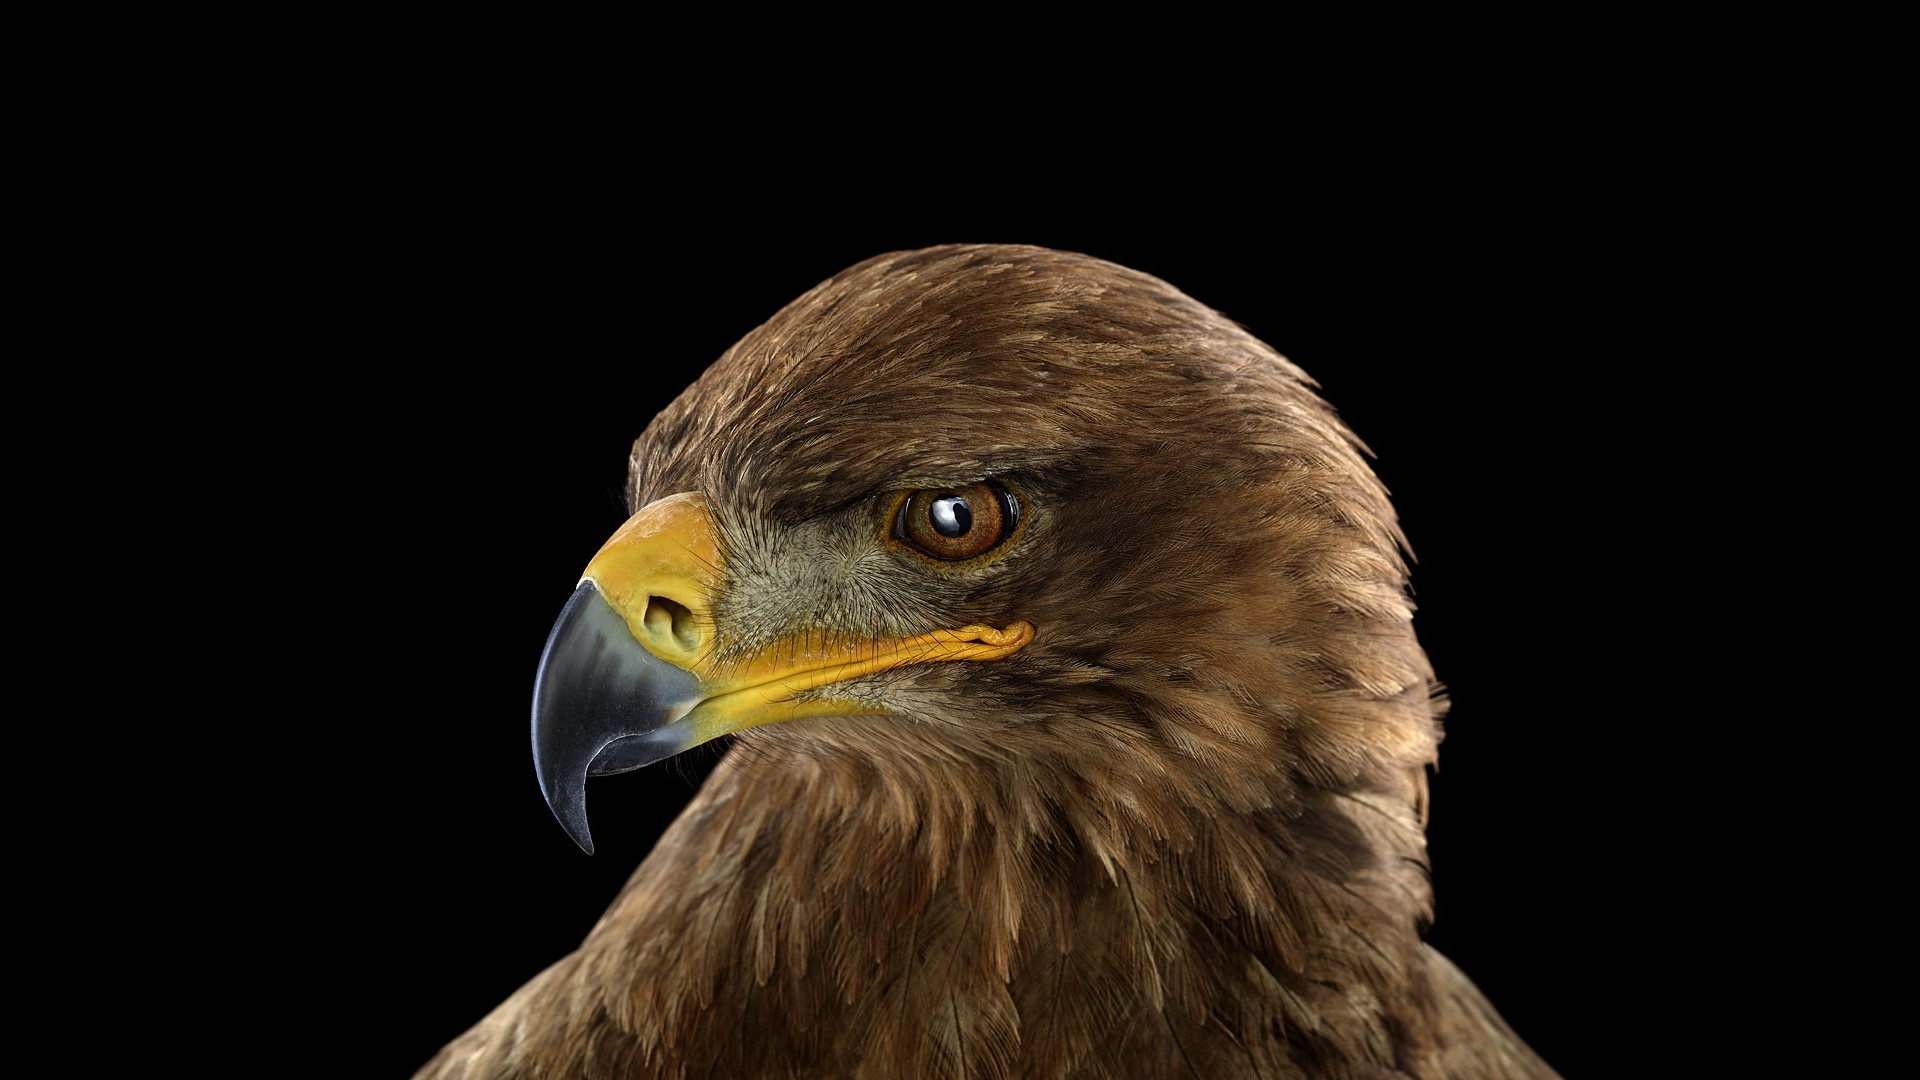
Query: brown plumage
x,y
1179,833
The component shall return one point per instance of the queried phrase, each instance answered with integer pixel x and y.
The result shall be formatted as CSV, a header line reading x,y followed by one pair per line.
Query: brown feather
x,y
1181,834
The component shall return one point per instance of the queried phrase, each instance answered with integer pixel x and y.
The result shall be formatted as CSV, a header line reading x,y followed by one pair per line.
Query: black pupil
x,y
951,516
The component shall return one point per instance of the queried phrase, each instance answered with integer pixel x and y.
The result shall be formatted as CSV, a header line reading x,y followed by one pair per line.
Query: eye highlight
x,y
956,523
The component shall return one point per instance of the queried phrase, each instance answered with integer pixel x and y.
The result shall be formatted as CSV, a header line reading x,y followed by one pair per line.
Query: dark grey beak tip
x,y
582,836
600,702
568,801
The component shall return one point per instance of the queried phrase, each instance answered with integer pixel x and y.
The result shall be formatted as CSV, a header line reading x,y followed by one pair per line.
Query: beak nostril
x,y
670,620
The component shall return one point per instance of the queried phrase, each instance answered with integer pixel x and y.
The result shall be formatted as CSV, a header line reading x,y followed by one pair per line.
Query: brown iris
x,y
956,523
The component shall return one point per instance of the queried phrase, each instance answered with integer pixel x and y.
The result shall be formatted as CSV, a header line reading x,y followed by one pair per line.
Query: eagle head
x,y
1001,504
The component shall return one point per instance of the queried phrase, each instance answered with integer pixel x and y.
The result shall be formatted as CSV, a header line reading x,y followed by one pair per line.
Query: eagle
x,y
1062,639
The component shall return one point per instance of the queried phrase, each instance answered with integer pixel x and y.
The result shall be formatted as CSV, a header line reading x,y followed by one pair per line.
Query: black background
x,y
333,343
478,377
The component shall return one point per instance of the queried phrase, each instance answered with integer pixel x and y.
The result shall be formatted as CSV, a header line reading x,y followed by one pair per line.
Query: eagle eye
x,y
956,523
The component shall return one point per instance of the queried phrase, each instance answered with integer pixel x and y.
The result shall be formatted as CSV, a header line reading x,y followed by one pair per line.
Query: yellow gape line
x,y
761,691
966,643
